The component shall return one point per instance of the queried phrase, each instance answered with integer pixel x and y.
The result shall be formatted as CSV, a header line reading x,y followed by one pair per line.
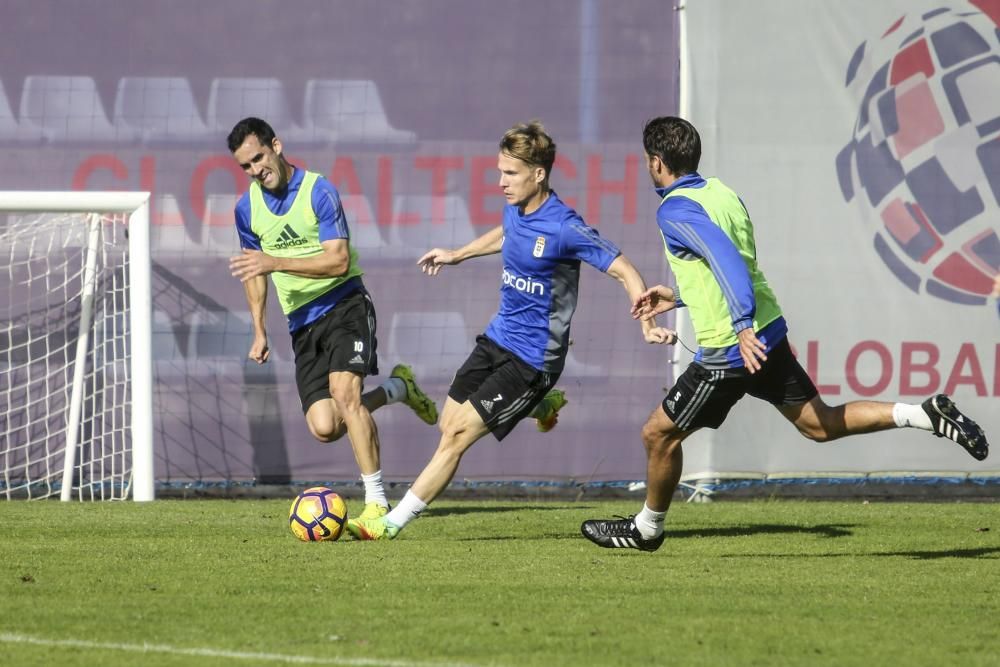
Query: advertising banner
x,y
864,139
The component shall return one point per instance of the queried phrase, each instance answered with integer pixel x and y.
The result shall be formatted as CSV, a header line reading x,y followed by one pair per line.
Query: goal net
x,y
75,391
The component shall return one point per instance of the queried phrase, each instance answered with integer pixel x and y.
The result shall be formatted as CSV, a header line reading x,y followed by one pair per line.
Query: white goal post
x,y
76,346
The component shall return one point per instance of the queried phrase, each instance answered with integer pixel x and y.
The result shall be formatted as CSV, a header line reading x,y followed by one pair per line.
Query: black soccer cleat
x,y
949,423
619,533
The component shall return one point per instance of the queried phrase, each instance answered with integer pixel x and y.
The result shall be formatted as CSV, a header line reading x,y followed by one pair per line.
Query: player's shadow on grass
x,y
981,552
454,511
826,530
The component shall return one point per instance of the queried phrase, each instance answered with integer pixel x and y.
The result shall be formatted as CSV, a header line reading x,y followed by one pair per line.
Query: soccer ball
x,y
317,514
924,161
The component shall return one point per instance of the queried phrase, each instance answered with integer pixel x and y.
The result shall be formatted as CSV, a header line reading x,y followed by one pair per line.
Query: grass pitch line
x,y
9,638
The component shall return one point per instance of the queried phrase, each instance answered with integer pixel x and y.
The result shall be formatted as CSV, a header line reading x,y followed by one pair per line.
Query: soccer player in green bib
x,y
742,339
292,227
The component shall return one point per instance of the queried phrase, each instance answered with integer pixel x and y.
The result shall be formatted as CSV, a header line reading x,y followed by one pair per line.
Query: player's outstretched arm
x,y
625,272
653,301
256,293
487,244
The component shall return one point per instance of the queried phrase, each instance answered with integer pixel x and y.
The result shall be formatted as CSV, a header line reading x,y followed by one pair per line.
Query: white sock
x,y
408,509
905,414
649,523
374,491
395,390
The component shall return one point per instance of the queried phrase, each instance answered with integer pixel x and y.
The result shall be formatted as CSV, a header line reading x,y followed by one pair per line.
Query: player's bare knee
x,y
655,440
321,434
451,433
347,401
326,430
814,433
455,436
345,389
649,431
650,436
816,420
327,438
818,430
827,426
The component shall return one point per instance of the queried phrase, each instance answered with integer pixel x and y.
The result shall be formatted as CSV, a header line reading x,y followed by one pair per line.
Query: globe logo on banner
x,y
924,161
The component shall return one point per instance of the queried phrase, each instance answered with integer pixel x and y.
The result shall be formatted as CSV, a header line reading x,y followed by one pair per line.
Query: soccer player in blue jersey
x,y
292,227
742,338
517,361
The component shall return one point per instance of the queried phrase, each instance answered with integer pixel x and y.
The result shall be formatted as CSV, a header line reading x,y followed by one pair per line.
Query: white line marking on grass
x,y
11,638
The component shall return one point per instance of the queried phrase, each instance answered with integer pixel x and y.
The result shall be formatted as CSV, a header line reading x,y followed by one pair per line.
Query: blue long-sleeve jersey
x,y
689,233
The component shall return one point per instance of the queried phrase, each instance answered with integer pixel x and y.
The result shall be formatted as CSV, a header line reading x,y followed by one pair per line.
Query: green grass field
x,y
219,582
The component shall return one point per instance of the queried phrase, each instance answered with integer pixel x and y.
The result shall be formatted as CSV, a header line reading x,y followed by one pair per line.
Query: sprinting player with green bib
x,y
292,227
742,339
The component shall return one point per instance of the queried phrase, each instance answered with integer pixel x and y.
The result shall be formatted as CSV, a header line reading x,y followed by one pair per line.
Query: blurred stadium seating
x,y
350,111
160,110
232,99
68,109
11,131
163,110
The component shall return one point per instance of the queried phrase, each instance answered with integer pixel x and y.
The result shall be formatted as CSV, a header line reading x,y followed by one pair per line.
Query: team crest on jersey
x,y
539,246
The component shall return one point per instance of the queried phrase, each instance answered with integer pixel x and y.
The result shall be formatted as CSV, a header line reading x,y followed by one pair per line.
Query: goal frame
x,y
136,206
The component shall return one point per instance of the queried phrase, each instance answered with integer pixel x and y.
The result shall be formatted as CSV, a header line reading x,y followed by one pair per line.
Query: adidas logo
x,y
488,405
289,239
356,360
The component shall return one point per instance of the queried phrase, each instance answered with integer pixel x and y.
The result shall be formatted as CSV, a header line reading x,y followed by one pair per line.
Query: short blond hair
x,y
529,143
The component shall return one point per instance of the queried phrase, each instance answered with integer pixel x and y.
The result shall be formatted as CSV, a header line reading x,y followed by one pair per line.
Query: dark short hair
x,y
243,129
675,141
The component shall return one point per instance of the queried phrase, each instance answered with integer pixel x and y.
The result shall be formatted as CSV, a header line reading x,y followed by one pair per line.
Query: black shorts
x,y
341,340
501,387
702,397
